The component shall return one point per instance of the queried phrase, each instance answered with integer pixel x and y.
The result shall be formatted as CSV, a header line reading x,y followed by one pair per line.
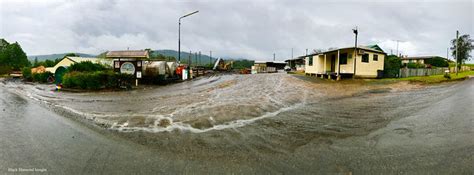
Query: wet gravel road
x,y
425,130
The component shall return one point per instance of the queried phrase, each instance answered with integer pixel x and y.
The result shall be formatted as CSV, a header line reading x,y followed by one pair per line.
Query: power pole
x,y
195,58
356,32
447,53
199,57
273,56
457,43
189,58
306,52
289,62
291,53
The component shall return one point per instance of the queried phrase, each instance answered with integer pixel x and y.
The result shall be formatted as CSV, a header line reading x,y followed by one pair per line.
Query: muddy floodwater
x,y
264,123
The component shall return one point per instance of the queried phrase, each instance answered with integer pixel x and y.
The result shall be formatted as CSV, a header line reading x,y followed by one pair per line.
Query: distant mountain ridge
x,y
204,59
55,56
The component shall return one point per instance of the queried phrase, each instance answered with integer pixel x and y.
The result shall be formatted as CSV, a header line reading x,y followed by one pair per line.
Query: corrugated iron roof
x,y
128,54
373,48
83,59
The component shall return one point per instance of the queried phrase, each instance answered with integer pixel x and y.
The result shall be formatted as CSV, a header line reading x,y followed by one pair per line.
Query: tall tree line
x,y
12,56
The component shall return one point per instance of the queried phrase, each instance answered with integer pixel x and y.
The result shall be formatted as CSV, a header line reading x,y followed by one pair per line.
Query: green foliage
x,y
4,69
102,55
26,71
392,65
415,65
465,46
86,66
12,55
71,55
242,64
46,63
162,57
41,77
95,80
437,62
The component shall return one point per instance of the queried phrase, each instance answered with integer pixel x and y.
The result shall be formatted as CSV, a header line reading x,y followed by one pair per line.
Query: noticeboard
x,y
133,67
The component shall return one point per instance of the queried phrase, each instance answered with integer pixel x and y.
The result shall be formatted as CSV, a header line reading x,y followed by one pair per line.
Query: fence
x,y
462,69
406,72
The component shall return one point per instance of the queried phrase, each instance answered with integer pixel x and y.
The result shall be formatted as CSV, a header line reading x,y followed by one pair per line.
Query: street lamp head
x,y
189,14
355,31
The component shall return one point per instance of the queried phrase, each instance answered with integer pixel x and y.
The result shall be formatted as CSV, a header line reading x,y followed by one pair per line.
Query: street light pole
x,y
179,33
457,37
356,32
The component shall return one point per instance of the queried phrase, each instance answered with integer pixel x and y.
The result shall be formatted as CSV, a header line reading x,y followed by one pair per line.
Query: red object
x,y
179,70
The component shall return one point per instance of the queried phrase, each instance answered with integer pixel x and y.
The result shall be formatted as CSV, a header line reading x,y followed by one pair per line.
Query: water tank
x,y
171,68
154,68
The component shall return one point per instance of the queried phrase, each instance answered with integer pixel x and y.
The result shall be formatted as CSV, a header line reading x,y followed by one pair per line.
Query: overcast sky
x,y
253,29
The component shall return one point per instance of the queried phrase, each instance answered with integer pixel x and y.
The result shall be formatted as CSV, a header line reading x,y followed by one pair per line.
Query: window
x,y
365,58
343,58
376,57
310,61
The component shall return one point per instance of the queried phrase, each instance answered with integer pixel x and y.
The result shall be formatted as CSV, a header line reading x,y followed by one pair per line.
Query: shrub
x,y
86,66
41,77
415,65
392,65
26,71
94,80
447,76
437,62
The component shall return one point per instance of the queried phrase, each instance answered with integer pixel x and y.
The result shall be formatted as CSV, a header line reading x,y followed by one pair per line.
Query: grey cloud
x,y
249,29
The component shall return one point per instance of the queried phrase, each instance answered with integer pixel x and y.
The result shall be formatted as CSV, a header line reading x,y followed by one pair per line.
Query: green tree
x,y
392,65
71,55
437,62
36,63
464,49
12,55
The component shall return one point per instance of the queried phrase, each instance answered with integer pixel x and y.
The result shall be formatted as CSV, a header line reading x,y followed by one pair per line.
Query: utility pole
x,y
289,62
273,56
457,43
356,32
306,52
195,58
199,58
447,53
291,53
179,33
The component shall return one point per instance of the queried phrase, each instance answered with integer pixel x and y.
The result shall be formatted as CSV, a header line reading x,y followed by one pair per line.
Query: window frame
x,y
310,61
367,60
341,57
375,57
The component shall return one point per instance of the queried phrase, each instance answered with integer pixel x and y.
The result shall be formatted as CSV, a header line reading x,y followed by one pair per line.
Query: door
x,y
333,63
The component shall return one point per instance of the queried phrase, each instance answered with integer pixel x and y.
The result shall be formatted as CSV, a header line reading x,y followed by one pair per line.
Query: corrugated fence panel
x,y
405,72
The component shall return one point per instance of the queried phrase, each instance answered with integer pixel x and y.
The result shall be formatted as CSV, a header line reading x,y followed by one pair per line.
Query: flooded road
x,y
267,123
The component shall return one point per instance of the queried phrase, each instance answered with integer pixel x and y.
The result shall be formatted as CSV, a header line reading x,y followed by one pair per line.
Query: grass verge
x,y
437,78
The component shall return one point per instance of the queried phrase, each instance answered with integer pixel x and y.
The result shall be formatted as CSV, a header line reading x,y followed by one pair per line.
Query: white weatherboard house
x,y
361,62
